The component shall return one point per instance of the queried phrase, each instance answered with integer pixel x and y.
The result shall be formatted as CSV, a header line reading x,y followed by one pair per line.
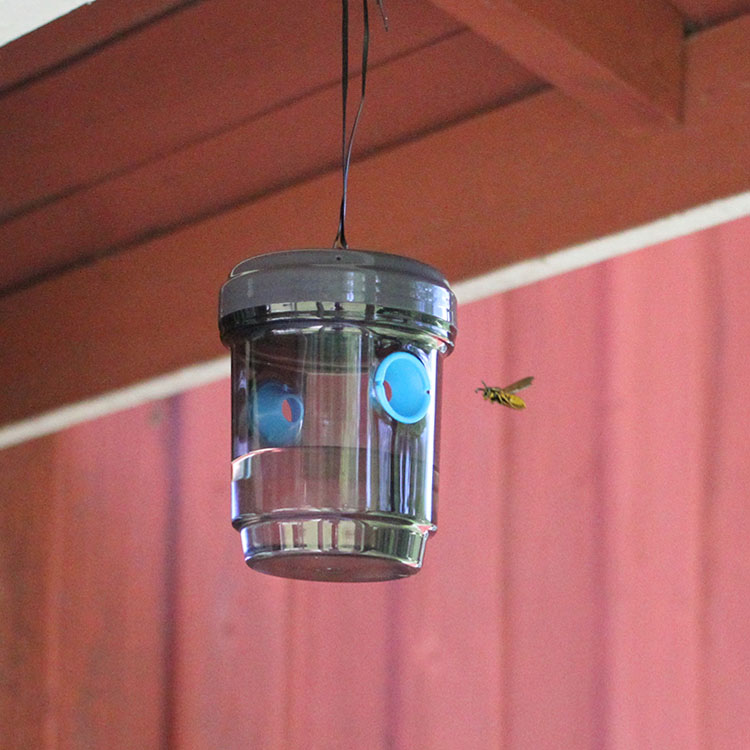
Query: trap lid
x,y
308,282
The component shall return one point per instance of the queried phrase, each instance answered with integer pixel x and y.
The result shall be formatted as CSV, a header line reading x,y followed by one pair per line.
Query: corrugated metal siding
x,y
587,588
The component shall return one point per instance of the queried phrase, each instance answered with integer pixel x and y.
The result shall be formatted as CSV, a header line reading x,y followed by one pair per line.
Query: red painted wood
x,y
709,12
660,348
173,83
28,490
232,629
586,587
109,595
341,666
622,61
726,479
510,184
74,34
84,587
551,542
266,154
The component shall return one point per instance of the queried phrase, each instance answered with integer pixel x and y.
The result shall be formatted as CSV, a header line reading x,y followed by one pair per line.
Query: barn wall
x,y
587,587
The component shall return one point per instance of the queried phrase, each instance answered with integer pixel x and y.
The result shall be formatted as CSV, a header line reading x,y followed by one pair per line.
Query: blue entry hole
x,y
279,412
402,387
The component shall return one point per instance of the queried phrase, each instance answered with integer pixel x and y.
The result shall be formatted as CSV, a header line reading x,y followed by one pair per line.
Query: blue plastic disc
x,y
402,387
278,413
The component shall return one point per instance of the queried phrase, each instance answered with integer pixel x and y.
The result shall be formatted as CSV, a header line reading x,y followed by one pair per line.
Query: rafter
x,y
621,59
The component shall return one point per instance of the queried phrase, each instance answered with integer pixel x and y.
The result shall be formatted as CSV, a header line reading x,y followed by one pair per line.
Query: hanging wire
x,y
347,144
384,15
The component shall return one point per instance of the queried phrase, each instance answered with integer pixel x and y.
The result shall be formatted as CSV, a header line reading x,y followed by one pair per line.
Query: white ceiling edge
x,y
19,17
585,254
472,290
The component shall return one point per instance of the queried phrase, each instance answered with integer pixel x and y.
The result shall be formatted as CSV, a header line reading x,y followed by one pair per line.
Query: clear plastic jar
x,y
335,404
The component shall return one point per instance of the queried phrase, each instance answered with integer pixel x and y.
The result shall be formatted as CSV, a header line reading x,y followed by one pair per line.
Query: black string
x,y
340,241
346,146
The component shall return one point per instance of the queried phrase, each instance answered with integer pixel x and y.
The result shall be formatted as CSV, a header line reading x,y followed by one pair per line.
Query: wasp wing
x,y
519,384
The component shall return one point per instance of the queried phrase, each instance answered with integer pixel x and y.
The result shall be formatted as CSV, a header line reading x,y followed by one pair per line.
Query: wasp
x,y
506,396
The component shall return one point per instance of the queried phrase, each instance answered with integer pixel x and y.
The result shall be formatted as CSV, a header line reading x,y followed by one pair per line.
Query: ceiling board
x,y
75,34
207,106
210,67
702,13
265,154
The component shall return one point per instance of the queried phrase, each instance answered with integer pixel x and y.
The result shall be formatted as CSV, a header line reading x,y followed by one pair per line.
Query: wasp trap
x,y
336,360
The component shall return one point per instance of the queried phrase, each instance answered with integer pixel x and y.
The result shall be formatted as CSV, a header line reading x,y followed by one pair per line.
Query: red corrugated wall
x,y
588,587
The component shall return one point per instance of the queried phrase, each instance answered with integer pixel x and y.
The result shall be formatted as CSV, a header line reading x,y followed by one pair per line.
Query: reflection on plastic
x,y
279,414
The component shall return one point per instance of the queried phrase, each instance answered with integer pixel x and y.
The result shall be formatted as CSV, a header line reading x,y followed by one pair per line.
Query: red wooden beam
x,y
210,68
620,59
708,12
511,184
74,34
257,157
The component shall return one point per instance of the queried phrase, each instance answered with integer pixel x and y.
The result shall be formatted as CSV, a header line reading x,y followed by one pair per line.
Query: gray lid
x,y
296,277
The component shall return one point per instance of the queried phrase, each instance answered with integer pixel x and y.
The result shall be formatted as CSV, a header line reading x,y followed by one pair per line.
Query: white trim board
x,y
502,280
586,254
114,401
19,17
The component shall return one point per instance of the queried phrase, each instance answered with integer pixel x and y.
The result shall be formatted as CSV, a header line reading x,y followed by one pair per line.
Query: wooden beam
x,y
708,12
75,34
205,70
263,155
620,59
510,184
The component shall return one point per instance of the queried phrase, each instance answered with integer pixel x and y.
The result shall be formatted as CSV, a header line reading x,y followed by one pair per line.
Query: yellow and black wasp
x,y
506,396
